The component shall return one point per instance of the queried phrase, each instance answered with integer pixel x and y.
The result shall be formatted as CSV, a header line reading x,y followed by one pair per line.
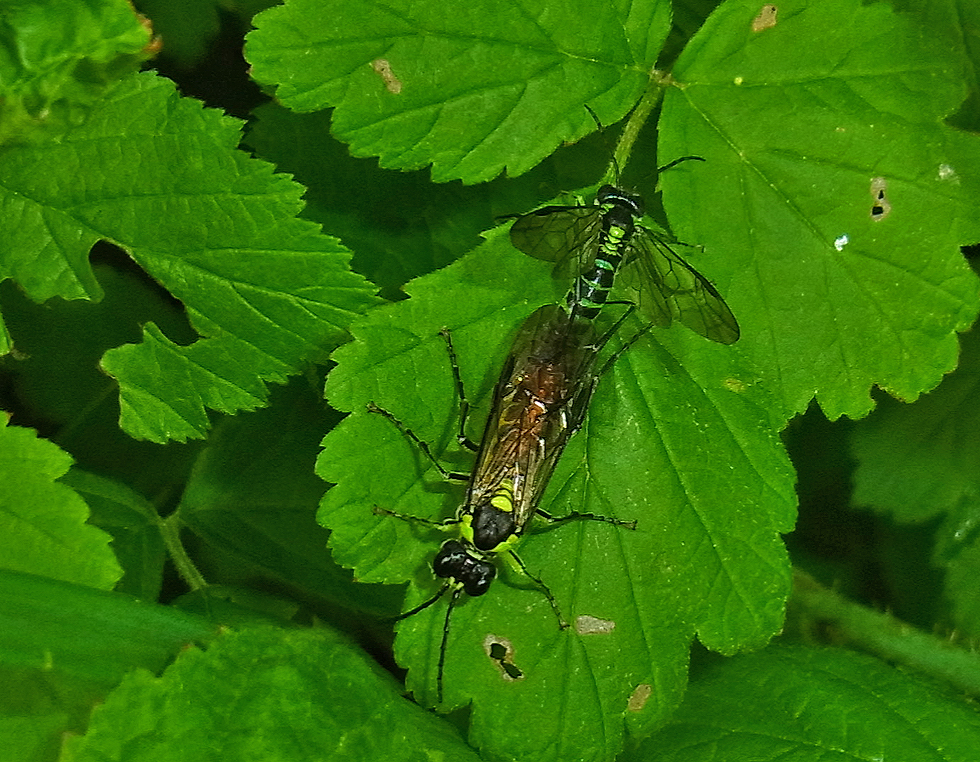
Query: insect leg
x,y
445,639
443,525
604,339
422,606
545,590
607,335
614,162
585,516
680,160
457,591
619,352
464,405
423,446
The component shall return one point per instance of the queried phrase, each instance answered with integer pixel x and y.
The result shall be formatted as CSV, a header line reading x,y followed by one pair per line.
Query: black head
x,y
454,561
610,194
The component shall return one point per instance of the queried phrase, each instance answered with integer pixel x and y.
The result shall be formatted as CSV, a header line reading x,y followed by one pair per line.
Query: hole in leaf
x,y
880,208
501,652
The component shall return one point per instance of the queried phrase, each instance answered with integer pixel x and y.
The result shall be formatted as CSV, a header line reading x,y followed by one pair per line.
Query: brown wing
x,y
530,420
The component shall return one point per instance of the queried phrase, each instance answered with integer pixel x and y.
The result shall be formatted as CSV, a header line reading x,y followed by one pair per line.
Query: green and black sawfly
x,y
595,242
540,400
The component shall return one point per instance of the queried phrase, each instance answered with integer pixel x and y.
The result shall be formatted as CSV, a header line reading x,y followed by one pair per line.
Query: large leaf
x,y
676,438
809,126
472,89
809,704
254,695
265,290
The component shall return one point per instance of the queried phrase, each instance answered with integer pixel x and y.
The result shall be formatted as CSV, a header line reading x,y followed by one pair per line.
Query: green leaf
x,y
265,694
63,646
56,377
135,528
58,59
918,462
801,125
472,91
92,635
253,495
266,291
677,438
42,523
808,704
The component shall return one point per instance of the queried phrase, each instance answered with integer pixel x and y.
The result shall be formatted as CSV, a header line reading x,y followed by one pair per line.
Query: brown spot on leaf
x,y
383,67
766,18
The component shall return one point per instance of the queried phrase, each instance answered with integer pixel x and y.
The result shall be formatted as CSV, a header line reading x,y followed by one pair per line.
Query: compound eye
x,y
451,560
478,580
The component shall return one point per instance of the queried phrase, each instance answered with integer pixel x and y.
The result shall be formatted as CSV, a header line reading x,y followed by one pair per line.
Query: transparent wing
x,y
567,235
670,289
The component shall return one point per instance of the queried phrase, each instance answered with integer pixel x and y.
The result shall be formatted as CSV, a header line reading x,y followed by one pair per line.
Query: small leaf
x,y
253,494
134,526
42,522
60,58
921,461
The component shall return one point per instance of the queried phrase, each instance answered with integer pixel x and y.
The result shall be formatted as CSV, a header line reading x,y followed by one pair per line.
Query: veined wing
x,y
531,419
670,289
567,235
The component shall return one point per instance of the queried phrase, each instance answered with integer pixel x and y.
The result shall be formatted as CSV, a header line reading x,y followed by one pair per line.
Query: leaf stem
x,y
170,530
659,82
887,637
